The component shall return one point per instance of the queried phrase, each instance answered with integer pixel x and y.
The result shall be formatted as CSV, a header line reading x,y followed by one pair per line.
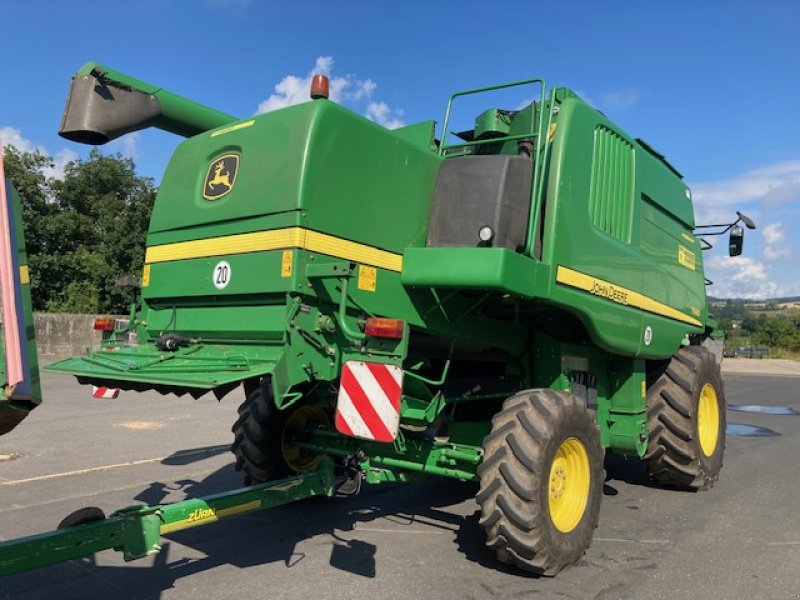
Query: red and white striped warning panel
x,y
101,391
368,406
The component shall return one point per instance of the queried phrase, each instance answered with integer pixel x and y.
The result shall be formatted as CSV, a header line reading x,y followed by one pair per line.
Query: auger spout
x,y
104,104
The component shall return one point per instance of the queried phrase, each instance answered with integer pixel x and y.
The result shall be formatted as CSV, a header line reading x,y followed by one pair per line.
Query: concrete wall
x,y
59,335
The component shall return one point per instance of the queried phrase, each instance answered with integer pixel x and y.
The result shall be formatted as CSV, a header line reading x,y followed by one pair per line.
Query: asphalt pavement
x,y
738,540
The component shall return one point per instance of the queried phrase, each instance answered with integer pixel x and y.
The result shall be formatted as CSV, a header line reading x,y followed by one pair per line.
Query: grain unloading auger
x,y
502,308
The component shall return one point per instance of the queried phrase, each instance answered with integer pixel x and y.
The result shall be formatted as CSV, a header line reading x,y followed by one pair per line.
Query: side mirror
x,y
736,241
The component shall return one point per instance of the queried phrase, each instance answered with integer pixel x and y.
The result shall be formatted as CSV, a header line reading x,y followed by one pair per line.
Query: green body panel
x,y
649,264
198,366
323,224
480,268
340,173
16,403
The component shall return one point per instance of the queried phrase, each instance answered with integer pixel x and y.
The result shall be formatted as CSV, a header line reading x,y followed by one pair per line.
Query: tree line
x,y
778,331
83,232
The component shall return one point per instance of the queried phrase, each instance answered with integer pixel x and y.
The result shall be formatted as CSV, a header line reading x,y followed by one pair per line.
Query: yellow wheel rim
x,y
708,419
568,485
304,418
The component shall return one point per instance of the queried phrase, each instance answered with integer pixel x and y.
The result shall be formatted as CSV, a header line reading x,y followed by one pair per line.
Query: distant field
x,y
778,312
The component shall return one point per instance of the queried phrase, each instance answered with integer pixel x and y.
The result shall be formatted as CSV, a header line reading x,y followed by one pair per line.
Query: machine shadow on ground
x,y
274,536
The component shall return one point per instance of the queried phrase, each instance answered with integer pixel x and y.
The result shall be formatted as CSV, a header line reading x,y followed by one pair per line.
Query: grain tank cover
x,y
477,191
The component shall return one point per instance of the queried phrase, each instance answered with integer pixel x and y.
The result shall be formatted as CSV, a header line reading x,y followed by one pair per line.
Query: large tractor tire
x,y
686,421
541,481
261,437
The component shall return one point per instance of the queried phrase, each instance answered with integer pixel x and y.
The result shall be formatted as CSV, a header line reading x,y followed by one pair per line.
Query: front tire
x,y
541,481
686,420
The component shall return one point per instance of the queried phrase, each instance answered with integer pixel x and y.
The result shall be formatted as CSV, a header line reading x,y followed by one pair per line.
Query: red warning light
x,y
320,87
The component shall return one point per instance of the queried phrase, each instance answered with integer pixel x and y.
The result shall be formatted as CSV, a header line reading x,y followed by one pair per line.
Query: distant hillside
x,y
789,299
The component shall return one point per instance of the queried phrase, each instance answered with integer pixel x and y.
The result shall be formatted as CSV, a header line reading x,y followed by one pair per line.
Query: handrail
x,y
537,131
443,146
537,185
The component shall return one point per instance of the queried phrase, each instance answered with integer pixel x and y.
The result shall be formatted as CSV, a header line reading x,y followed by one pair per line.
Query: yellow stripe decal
x,y
206,515
260,241
24,275
233,128
620,295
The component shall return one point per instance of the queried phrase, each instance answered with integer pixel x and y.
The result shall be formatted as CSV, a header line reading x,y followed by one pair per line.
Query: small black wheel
x,y
88,514
686,421
541,481
262,433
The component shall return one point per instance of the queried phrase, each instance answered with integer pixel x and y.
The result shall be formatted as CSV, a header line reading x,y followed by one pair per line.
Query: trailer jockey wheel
x,y
261,434
541,481
686,420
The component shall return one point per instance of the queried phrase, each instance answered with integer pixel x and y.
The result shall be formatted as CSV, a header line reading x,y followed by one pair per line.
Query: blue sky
x,y
712,85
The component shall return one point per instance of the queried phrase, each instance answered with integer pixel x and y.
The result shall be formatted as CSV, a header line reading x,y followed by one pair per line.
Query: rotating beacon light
x,y
320,87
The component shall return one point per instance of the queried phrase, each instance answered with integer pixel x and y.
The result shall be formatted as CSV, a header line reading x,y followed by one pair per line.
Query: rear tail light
x,y
385,328
104,324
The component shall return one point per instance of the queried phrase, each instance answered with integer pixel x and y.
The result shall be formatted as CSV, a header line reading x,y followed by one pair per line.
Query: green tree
x,y
83,231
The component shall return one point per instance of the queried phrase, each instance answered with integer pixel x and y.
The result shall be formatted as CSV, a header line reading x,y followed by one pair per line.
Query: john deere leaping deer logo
x,y
221,176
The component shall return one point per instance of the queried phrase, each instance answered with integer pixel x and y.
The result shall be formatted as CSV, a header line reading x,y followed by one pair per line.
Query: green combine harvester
x,y
502,306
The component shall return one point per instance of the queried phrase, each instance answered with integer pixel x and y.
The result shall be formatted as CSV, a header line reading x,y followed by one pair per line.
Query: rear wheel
x,y
686,421
262,437
541,481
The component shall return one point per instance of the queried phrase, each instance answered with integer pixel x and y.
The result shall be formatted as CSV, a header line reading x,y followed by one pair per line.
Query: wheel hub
x,y
708,419
568,485
558,479
304,418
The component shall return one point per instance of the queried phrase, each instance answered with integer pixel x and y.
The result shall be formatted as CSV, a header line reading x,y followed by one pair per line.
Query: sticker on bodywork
x,y
221,275
146,276
686,257
286,263
367,278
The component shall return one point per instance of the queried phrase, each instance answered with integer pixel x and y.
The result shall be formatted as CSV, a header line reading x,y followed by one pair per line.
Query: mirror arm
x,y
726,229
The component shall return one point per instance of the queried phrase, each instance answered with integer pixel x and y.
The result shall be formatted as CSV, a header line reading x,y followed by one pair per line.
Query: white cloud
x,y
383,114
771,185
294,90
745,277
127,145
774,242
364,90
11,136
60,160
766,191
346,89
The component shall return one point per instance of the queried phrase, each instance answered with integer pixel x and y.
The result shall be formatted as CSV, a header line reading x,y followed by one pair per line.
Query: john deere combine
x,y
502,305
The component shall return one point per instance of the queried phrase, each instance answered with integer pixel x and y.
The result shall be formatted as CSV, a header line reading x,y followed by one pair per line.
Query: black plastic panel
x,y
474,191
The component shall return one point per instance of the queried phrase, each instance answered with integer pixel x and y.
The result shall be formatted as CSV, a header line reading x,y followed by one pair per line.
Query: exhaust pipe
x,y
104,104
